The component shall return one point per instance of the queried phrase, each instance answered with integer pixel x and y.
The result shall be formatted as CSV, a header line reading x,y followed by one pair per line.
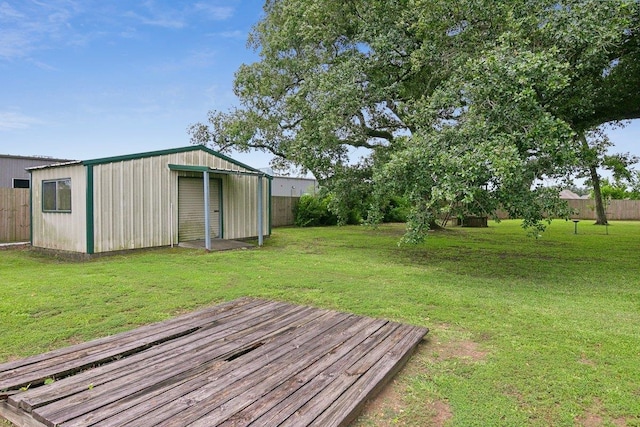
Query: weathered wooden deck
x,y
245,362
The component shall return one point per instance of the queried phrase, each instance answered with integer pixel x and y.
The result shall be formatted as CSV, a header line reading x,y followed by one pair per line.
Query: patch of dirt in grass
x,y
450,345
595,417
397,405
464,349
585,361
620,422
442,413
590,420
384,409
390,408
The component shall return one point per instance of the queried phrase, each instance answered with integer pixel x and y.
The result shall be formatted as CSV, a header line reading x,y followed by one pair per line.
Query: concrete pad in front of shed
x,y
216,244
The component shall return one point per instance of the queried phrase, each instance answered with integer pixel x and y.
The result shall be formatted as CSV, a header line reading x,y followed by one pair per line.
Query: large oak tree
x,y
462,107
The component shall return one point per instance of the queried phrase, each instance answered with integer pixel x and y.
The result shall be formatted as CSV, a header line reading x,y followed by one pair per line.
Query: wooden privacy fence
x,y
615,210
14,215
282,209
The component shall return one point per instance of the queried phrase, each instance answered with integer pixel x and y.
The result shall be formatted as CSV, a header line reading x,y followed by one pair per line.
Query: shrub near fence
x,y
14,215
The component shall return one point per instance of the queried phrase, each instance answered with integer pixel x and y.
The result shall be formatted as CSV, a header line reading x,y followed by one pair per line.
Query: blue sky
x,y
84,79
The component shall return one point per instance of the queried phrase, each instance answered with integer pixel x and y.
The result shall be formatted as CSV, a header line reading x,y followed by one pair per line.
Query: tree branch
x,y
268,148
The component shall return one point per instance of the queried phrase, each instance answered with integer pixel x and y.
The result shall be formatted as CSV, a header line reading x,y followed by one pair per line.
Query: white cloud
x,y
166,17
10,120
8,13
159,19
193,59
129,33
237,34
216,13
31,25
43,65
14,44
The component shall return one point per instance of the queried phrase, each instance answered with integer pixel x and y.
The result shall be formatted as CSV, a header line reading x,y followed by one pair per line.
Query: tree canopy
x,y
462,107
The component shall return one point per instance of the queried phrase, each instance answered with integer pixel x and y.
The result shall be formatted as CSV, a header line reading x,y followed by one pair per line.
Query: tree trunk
x,y
601,216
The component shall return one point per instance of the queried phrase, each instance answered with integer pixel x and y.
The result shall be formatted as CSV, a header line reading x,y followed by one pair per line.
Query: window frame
x,y
22,180
57,195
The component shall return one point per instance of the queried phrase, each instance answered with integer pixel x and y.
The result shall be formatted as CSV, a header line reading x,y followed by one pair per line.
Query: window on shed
x,y
56,195
20,183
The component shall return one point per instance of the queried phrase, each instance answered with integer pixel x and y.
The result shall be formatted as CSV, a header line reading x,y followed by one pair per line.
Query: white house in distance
x,y
151,199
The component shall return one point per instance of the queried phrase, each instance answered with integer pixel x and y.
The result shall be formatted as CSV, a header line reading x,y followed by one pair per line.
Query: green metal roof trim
x,y
189,168
170,151
196,168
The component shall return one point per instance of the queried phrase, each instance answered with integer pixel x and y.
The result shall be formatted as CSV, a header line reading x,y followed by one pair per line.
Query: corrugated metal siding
x,y
191,208
240,201
132,204
61,231
136,201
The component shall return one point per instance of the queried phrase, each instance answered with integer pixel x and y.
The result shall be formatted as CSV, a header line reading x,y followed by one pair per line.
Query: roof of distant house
x,y
568,194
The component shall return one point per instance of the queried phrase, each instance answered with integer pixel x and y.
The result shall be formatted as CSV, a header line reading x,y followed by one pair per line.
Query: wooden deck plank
x,y
64,361
195,401
111,406
222,404
142,409
198,360
345,407
257,400
17,417
126,366
245,362
283,401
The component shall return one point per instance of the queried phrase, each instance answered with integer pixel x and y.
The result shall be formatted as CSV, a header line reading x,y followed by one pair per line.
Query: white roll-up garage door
x,y
191,208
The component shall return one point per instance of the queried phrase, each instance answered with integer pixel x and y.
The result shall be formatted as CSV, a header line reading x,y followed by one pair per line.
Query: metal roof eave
x,y
170,151
53,165
189,148
195,168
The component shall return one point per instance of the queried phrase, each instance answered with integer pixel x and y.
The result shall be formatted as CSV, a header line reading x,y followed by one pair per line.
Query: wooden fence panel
x,y
14,215
282,209
615,210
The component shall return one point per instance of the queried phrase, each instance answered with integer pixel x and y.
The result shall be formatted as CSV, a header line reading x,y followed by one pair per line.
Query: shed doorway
x,y
191,208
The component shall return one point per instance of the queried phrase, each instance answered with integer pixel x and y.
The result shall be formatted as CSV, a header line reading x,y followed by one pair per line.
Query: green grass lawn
x,y
523,331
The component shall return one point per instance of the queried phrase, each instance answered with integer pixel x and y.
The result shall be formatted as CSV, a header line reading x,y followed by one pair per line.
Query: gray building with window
x,y
286,186
13,172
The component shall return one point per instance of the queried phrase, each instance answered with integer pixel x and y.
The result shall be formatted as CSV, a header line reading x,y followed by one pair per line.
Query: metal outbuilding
x,y
151,199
